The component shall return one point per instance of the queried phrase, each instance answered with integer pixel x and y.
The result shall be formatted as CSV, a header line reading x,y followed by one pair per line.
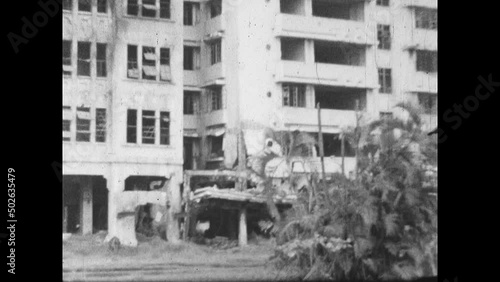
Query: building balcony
x,y
423,39
424,82
306,119
326,74
214,27
192,78
218,117
192,33
432,4
191,122
325,29
213,74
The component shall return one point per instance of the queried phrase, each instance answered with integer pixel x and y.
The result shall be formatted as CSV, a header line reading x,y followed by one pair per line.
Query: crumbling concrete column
x,y
242,232
86,205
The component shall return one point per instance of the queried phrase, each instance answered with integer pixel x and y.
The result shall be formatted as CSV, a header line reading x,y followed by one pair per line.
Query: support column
x,y
173,207
86,205
242,232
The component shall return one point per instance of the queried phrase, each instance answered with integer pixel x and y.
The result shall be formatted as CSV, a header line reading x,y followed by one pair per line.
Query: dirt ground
x,y
88,258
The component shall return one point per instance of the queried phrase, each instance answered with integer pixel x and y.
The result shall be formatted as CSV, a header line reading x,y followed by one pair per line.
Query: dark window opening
x,y
191,13
67,123
384,36
191,99
332,145
426,18
340,98
149,8
149,63
148,127
330,9
215,98
132,65
292,49
294,95
165,73
85,5
385,115
294,7
131,126
384,3
188,58
216,150
338,53
164,128
67,5
66,57
102,6
385,80
215,8
215,52
132,7
428,102
83,124
100,125
165,9
101,60
83,58
427,61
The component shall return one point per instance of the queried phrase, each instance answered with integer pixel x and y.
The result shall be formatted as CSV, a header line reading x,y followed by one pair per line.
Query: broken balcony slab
x,y
250,196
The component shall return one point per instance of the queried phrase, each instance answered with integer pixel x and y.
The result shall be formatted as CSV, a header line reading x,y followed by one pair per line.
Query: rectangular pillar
x,y
242,232
86,206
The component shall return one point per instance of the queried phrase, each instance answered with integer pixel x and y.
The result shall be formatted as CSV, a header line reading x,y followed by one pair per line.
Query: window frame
x,y
83,126
102,4
215,51
67,5
165,128
67,60
81,4
162,9
384,37
385,80
84,62
293,95
101,60
68,122
100,125
383,3
148,132
426,61
132,126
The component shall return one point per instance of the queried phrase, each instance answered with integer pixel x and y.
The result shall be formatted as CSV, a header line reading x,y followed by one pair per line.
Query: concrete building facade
x,y
152,87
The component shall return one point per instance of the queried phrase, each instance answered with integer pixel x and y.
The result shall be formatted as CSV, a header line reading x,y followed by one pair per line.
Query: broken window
x,y
165,9
292,49
338,53
67,117
101,60
426,18
294,7
215,51
132,65
385,80
148,127
83,124
66,57
132,7
100,125
428,102
84,5
329,9
164,128
102,6
149,8
427,61
191,99
83,58
149,63
215,98
294,95
384,36
131,126
191,13
165,74
385,115
383,3
340,98
67,5
215,8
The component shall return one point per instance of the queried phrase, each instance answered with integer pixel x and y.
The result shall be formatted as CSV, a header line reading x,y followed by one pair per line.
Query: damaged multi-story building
x,y
155,87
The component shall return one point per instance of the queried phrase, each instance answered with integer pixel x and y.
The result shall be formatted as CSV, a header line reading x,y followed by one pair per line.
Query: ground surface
x,y
87,258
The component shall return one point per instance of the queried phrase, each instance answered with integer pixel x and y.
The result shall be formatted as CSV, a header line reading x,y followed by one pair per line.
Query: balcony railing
x,y
325,29
326,74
